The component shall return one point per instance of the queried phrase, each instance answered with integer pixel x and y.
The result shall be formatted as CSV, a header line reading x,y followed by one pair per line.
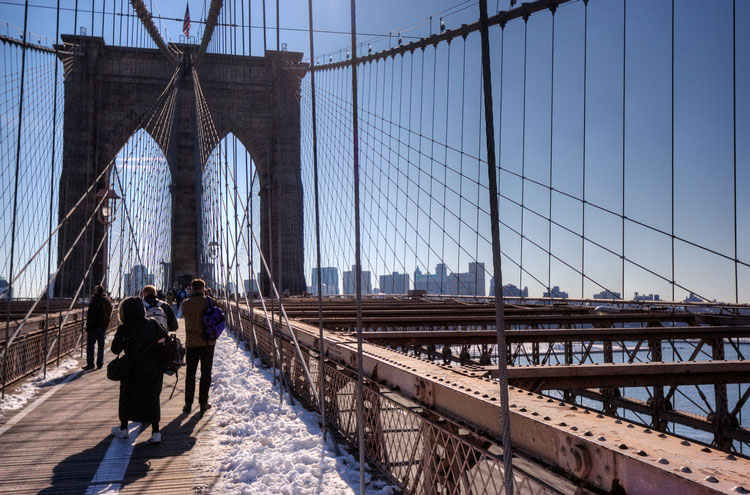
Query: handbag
x,y
119,368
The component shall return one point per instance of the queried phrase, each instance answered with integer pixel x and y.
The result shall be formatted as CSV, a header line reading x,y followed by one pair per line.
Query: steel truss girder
x,y
610,453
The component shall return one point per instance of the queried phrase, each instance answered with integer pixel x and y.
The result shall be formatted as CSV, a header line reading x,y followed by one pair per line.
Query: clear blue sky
x,y
703,140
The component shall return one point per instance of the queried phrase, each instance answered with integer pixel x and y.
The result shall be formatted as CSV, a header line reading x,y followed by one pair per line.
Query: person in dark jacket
x,y
140,390
199,349
97,321
151,301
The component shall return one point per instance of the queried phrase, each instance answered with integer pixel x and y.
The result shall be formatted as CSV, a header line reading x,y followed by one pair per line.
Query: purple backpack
x,y
214,322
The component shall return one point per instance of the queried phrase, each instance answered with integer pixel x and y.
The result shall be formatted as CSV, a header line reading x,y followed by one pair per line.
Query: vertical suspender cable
x,y
358,257
523,147
51,189
551,136
583,174
624,52
502,358
734,144
672,158
264,28
9,294
277,35
321,369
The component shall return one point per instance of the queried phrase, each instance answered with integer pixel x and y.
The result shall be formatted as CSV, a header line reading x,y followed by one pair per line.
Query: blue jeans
x,y
92,337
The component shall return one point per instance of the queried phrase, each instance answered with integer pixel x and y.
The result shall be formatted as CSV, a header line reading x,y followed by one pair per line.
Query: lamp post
x,y
213,253
106,216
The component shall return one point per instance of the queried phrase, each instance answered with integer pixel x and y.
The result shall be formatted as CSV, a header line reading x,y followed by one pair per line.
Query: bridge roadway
x,y
600,452
60,442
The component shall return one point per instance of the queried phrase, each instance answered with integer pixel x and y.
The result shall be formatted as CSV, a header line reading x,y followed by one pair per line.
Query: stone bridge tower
x,y
108,92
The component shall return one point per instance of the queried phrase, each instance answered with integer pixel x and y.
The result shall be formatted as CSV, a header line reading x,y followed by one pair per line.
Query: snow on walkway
x,y
23,394
260,446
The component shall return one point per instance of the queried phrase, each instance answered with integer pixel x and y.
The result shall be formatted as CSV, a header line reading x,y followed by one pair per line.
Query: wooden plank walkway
x,y
59,446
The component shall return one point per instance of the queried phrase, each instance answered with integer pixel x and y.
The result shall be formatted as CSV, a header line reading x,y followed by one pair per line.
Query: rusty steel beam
x,y
475,337
694,421
429,320
567,377
595,449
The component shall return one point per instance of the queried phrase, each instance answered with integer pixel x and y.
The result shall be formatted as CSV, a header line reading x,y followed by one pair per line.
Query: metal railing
x,y
28,352
419,451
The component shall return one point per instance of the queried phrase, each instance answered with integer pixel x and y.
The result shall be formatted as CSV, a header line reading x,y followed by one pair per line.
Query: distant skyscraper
x,y
555,292
470,283
692,298
134,281
644,297
255,286
509,290
395,283
329,280
350,286
606,294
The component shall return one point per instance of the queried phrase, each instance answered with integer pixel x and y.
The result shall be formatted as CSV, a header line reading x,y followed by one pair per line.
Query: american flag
x,y
186,22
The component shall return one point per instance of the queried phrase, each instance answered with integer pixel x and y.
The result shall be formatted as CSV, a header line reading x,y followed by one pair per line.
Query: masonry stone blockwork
x,y
109,92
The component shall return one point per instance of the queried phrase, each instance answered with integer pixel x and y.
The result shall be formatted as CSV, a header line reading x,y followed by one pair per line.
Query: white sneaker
x,y
118,433
155,438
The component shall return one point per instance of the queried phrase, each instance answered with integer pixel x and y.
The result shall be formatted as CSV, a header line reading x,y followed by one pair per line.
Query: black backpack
x,y
172,355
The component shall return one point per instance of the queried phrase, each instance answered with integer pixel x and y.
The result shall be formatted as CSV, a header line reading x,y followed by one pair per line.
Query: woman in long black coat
x,y
140,391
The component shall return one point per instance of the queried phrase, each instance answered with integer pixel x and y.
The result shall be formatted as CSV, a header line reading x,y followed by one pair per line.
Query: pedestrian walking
x,y
158,310
199,349
97,321
139,338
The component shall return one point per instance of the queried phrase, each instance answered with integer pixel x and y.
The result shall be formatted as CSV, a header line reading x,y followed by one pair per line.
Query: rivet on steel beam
x,y
574,428
631,426
476,392
561,404
740,489
705,449
588,434
550,400
600,415
685,442
686,469
523,409
512,405
647,430
485,396
540,397
563,424
586,411
602,439
662,435
618,422
662,460
535,413
731,457
622,446
711,479
493,398
642,453
529,393
573,408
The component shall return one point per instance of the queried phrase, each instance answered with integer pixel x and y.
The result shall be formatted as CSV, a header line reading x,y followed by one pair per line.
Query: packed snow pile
x,y
23,394
262,446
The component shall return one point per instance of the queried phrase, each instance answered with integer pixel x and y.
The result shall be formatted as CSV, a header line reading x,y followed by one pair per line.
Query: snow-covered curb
x,y
260,446
31,388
